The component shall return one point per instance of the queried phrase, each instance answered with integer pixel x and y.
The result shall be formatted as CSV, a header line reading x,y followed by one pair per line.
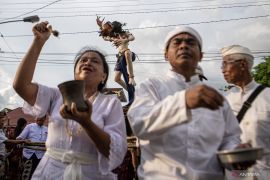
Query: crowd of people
x,y
26,161
180,122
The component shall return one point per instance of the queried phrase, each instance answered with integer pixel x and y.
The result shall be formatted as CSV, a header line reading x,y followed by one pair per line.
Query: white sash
x,y
73,170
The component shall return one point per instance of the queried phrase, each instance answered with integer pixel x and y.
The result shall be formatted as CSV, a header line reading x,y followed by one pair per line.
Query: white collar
x,y
179,77
247,87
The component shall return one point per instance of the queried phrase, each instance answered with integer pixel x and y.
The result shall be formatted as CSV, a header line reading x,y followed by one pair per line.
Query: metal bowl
x,y
231,157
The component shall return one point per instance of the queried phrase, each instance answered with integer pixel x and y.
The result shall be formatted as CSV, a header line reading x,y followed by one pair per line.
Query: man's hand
x,y
203,96
244,145
243,165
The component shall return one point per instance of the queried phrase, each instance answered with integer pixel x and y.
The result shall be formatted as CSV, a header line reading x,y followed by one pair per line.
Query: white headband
x,y
179,30
235,49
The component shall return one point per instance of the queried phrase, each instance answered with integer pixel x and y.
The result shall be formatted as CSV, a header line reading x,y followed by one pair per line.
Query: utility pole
x,y
31,19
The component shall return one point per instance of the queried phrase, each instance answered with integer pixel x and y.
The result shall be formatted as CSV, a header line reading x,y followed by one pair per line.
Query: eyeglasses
x,y
226,63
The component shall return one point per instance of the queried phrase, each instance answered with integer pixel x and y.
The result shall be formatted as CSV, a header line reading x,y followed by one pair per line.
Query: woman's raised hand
x,y
42,31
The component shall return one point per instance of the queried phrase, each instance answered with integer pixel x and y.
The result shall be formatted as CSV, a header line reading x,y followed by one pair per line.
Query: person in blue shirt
x,y
34,132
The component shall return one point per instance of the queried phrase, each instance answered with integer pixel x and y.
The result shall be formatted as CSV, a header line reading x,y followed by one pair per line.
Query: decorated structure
x,y
114,32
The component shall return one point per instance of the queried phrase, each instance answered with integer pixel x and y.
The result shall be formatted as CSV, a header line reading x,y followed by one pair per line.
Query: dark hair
x,y
21,122
104,62
117,28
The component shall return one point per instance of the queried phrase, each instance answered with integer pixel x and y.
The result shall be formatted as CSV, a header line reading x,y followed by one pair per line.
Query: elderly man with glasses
x,y
253,116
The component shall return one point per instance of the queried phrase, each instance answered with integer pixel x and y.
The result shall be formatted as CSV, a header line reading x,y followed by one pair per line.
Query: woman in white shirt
x,y
80,145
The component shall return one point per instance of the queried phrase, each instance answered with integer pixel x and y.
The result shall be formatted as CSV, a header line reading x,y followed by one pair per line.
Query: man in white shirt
x,y
34,132
255,124
180,122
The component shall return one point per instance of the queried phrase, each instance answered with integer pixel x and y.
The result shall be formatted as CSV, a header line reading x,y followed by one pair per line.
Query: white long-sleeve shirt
x,y
178,143
34,133
256,122
107,114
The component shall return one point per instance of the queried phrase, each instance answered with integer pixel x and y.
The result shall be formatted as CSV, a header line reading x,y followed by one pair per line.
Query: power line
x,y
169,10
144,57
160,26
138,53
33,10
141,62
45,2
8,45
155,11
71,61
123,10
152,9
68,33
132,5
202,22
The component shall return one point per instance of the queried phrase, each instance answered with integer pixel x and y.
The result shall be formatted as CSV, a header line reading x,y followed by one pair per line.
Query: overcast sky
x,y
220,23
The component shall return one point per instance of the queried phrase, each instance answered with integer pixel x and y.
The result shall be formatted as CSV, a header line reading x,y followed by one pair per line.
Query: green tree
x,y
261,72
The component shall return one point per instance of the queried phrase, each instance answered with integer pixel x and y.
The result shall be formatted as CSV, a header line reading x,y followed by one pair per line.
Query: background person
x,y
21,123
236,68
3,151
34,132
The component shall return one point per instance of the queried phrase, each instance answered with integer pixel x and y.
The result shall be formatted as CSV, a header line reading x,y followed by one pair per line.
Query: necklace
x,y
79,129
70,132
93,97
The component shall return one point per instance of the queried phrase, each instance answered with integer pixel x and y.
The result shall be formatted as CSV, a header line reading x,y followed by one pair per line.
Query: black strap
x,y
248,102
